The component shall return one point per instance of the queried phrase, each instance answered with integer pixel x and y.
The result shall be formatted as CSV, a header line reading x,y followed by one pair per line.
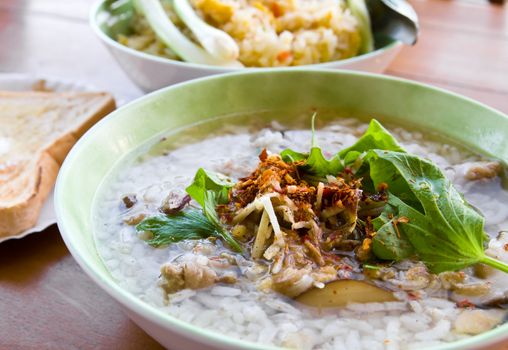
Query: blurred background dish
x,y
113,22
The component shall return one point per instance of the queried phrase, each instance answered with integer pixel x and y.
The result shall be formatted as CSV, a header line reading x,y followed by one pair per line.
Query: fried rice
x,y
269,33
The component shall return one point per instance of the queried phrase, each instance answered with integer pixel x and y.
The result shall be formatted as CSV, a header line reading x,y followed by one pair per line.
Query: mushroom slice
x,y
343,292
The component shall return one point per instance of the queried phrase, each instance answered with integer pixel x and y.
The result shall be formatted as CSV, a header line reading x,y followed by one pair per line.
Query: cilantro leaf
x,y
189,224
209,189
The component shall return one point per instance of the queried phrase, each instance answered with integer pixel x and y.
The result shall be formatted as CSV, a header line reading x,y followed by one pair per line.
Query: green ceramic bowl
x,y
422,107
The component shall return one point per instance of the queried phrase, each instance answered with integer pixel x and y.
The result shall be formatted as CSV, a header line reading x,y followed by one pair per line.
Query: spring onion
x,y
176,40
217,42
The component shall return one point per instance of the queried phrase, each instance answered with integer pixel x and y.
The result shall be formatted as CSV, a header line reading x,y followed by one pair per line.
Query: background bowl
x,y
152,72
393,100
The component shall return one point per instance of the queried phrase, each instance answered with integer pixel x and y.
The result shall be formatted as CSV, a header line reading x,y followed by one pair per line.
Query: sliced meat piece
x,y
188,275
486,170
478,321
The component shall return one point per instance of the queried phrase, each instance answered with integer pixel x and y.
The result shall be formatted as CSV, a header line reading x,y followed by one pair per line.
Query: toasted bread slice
x,y
37,131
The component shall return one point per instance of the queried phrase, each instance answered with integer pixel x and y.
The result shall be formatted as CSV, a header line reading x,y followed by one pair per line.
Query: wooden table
x,y
46,301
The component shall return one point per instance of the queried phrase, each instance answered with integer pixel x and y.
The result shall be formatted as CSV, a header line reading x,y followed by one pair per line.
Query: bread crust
x,y
23,213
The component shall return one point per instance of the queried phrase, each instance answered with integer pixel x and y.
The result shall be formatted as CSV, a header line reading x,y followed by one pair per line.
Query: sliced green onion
x,y
217,42
359,10
174,39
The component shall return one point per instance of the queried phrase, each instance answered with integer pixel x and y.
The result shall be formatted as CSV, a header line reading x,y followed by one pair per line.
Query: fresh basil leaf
x,y
376,137
190,224
446,233
204,181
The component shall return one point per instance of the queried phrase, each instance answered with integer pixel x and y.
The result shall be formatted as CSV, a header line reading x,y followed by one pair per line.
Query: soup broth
x,y
228,292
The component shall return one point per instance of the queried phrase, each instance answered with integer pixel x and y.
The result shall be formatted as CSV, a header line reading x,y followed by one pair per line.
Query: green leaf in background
x,y
204,181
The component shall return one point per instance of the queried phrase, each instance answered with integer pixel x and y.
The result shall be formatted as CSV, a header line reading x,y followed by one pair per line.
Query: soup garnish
x,y
302,212
280,241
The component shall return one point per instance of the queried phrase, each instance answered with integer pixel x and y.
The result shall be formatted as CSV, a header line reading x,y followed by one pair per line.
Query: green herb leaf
x,y
382,170
388,244
209,189
290,156
210,203
351,158
316,166
446,233
354,157
376,137
204,181
189,224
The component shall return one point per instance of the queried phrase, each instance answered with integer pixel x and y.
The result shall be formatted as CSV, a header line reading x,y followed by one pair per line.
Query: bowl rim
x,y
93,20
186,329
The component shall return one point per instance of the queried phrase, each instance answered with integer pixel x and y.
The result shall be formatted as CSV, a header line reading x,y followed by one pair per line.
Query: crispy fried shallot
x,y
299,227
